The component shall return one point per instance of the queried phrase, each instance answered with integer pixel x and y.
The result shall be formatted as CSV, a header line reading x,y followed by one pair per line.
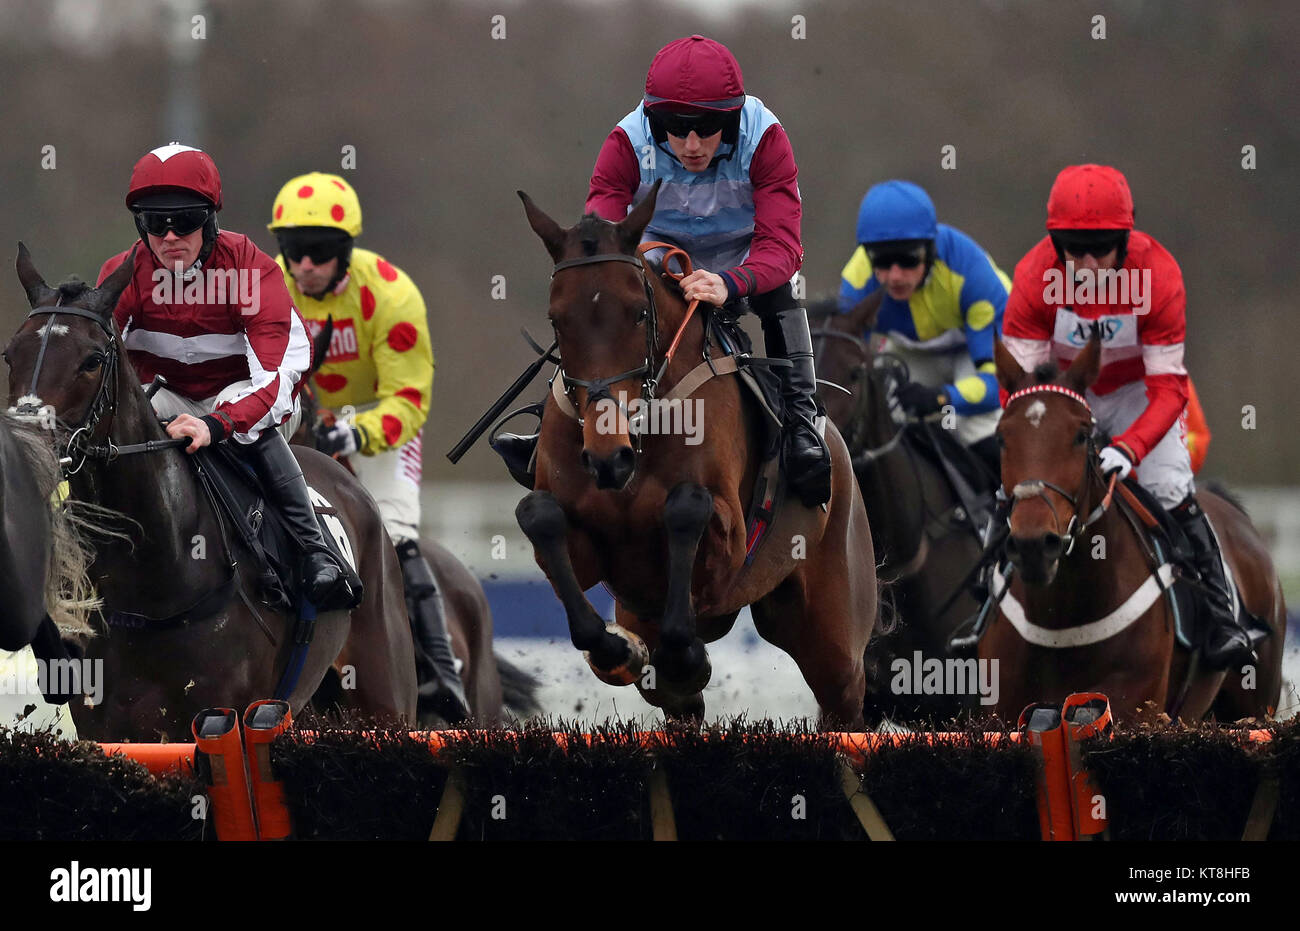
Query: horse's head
x,y
64,353
844,356
1047,451
603,312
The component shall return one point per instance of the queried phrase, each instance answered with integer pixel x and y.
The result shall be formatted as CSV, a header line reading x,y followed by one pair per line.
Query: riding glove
x,y
1112,460
338,440
921,400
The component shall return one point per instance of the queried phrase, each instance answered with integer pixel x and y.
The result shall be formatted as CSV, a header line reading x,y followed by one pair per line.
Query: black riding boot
x,y
517,450
1225,642
283,482
807,459
443,688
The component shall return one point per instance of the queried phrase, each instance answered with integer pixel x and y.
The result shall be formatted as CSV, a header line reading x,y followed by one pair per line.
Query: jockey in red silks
x,y
1141,391
208,311
730,199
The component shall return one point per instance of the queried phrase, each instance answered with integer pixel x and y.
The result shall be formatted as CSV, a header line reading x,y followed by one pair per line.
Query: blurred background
x,y
450,107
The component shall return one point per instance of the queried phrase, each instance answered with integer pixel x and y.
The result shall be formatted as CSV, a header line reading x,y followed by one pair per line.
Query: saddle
x,y
275,555
968,479
1170,544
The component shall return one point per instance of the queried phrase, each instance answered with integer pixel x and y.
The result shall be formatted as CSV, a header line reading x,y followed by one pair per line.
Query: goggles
x,y
1097,247
319,250
682,125
182,220
881,261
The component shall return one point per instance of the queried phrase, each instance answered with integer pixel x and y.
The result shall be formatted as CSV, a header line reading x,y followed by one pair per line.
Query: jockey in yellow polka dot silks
x,y
379,362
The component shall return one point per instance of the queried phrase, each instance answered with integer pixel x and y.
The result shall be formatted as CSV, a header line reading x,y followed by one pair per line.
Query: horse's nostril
x,y
1013,545
625,458
1052,545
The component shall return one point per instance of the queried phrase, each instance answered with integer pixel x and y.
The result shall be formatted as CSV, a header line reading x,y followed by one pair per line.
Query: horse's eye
x,y
1081,437
1002,441
92,363
641,317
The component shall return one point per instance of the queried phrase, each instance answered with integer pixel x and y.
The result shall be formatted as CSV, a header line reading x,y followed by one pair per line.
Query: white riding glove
x,y
1112,460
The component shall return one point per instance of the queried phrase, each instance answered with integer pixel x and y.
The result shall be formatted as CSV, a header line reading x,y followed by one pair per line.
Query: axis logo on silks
x,y
76,883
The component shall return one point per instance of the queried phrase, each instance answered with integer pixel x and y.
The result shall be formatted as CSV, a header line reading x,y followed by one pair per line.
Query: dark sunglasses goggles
x,y
1095,246
182,220
682,125
318,250
887,260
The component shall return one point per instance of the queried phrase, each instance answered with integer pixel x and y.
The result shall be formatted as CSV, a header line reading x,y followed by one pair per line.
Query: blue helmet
x,y
896,210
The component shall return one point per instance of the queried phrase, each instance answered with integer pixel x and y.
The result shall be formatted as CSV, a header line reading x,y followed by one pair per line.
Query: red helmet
x,y
694,73
175,168
1090,197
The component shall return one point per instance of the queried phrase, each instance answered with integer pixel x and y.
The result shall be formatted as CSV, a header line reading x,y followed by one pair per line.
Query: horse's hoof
x,y
629,671
683,675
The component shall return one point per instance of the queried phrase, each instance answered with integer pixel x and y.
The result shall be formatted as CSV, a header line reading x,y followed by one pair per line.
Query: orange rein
x,y
685,262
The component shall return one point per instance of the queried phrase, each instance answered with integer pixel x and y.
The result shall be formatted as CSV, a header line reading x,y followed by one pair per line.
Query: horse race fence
x,y
1063,773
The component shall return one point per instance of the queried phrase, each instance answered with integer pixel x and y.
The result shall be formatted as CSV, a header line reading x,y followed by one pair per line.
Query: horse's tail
x,y
518,688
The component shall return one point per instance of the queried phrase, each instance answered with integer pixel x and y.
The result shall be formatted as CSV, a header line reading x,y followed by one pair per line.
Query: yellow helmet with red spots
x,y
317,200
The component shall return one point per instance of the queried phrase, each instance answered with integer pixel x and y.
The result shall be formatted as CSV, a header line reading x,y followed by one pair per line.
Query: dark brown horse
x,y
182,657
1074,619
923,541
664,528
492,683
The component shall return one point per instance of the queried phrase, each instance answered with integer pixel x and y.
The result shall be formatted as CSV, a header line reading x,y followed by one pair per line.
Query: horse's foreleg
x,y
680,661
616,659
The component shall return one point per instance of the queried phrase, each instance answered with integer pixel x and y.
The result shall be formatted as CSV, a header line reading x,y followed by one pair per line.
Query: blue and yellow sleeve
x,y
983,299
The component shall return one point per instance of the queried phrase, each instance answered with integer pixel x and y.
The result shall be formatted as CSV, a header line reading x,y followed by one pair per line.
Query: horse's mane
x,y
1222,491
70,596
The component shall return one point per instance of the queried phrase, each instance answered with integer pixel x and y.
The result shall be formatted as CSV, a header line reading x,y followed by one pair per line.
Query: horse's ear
x,y
551,234
1010,375
32,282
865,311
633,225
1084,369
106,294
321,344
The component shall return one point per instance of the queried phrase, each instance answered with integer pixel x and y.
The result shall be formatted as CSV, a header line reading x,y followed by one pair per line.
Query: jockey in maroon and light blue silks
x,y
730,198
1140,395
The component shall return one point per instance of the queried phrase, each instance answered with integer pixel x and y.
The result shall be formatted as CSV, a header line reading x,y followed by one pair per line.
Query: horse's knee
x,y
687,509
540,516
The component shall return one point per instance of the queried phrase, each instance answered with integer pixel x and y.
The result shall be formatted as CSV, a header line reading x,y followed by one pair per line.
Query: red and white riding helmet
x,y
175,168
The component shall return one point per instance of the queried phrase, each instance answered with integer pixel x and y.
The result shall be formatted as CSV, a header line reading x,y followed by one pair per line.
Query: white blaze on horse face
x,y
1035,413
595,297
56,329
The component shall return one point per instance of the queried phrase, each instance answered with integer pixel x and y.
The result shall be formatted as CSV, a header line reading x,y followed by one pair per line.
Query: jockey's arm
x,y
1026,324
615,178
1160,334
983,301
403,355
278,351
776,251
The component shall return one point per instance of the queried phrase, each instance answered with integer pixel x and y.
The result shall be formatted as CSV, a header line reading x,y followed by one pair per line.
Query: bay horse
x,y
195,638
924,545
1080,567
664,528
492,683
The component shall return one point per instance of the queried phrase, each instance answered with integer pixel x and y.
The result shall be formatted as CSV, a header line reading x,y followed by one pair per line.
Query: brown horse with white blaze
x,y
1082,611
664,527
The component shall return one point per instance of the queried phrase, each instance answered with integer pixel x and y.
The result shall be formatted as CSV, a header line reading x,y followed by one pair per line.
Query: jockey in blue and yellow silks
x,y
941,310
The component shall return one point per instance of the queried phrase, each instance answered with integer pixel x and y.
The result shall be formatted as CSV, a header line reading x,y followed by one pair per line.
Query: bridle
x,y
599,388
79,447
864,371
1038,487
